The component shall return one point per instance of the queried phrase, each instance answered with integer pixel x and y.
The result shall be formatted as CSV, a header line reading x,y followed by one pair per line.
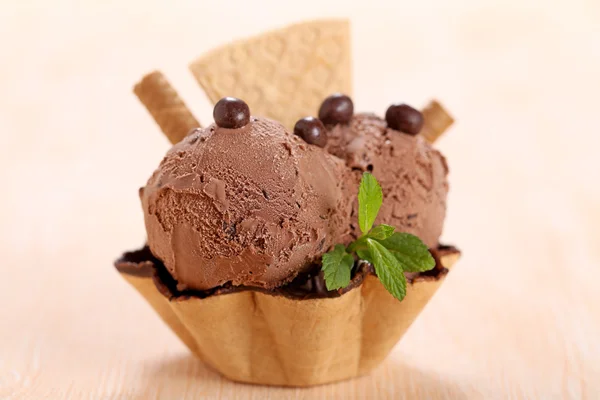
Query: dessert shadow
x,y
394,379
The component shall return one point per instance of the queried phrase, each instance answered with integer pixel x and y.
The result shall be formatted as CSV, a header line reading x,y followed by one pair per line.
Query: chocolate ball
x,y
404,118
336,109
231,113
312,131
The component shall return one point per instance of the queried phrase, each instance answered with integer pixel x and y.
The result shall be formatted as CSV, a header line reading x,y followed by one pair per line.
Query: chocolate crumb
x,y
404,118
312,131
336,109
231,113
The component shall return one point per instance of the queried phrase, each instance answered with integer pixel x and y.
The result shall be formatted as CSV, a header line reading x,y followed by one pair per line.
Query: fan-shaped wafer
x,y
283,74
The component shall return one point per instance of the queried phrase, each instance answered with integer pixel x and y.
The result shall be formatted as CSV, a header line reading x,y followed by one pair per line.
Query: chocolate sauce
x,y
310,285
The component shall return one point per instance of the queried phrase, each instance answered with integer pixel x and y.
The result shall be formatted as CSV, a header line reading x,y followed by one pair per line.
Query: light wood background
x,y
519,317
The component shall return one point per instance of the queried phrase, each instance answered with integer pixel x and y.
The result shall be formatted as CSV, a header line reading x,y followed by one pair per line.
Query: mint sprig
x,y
391,253
337,266
381,232
410,251
388,269
370,198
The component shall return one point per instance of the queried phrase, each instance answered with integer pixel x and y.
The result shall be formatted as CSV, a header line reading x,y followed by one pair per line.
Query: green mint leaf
x,y
388,269
364,255
337,265
370,198
410,251
357,244
381,232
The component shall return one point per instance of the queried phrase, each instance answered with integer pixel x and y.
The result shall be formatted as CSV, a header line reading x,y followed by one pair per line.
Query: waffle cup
x,y
262,337
266,338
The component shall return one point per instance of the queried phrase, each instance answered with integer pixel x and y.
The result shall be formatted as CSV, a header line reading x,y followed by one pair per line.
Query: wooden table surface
x,y
519,317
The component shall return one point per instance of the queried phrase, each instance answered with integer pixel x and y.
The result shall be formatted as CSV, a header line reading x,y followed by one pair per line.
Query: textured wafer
x,y
259,338
437,120
283,74
165,106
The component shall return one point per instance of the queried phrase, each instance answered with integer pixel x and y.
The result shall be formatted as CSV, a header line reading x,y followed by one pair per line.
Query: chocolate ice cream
x,y
253,206
412,174
246,202
243,213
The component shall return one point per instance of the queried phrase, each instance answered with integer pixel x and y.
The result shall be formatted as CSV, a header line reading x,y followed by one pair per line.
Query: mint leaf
x,y
337,265
388,269
410,251
390,253
370,198
381,232
364,255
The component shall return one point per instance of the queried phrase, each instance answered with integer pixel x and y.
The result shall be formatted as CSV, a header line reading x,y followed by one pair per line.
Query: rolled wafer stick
x,y
437,120
165,106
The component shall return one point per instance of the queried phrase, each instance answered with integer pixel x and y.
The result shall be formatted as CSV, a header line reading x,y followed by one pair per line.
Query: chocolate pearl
x,y
404,118
231,113
336,109
311,130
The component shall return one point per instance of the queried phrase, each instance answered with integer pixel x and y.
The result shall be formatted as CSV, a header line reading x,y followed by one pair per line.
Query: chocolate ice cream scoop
x,y
253,206
411,173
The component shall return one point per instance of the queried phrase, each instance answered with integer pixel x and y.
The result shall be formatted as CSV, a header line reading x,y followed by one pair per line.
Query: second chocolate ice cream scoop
x,y
412,174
